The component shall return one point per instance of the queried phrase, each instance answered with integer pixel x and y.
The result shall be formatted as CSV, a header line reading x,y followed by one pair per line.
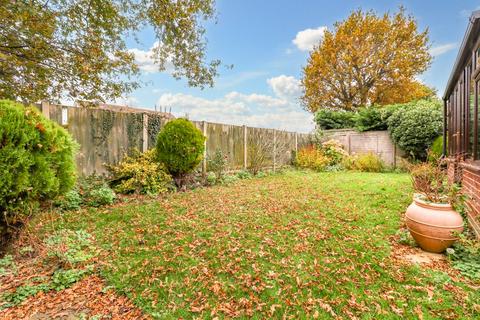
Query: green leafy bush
x,y
140,173
95,191
311,158
328,119
245,174
370,118
217,163
180,147
415,126
101,196
365,162
229,179
36,163
72,200
211,178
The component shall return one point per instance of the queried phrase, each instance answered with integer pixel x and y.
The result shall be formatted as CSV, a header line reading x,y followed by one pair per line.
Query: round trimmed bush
x,y
414,128
36,163
180,147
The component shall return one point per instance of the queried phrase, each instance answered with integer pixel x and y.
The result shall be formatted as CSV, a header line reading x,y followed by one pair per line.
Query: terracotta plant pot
x,y
433,225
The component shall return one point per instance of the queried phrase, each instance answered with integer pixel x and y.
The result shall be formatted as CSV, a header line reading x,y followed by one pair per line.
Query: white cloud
x,y
441,49
286,87
281,111
146,62
127,101
307,39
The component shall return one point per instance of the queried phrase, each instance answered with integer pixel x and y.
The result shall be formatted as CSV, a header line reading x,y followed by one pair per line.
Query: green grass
x,y
304,245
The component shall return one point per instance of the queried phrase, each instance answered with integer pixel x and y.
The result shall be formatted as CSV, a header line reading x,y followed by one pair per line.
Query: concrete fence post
x,y
245,147
145,132
296,142
46,109
274,149
204,161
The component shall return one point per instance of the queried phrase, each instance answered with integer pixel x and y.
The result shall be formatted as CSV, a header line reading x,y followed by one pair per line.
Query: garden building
x,y
461,120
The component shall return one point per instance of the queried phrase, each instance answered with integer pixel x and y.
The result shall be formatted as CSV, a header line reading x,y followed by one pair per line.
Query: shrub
x,y
72,200
365,162
430,180
334,151
311,158
180,146
36,161
414,128
329,119
211,178
217,163
245,174
370,118
261,150
139,173
228,179
95,191
101,196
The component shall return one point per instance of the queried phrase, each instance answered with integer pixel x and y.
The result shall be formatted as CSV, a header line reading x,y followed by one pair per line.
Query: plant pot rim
x,y
431,205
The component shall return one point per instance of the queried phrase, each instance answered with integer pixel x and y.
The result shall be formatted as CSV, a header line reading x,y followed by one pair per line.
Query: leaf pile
x,y
297,245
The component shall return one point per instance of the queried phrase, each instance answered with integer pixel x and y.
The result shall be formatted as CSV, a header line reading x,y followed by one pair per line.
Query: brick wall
x,y
469,177
471,187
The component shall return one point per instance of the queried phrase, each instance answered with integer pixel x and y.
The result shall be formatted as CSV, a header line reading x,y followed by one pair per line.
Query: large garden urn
x,y
434,226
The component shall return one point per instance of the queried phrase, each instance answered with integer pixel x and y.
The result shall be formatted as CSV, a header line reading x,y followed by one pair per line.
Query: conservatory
x,y
461,120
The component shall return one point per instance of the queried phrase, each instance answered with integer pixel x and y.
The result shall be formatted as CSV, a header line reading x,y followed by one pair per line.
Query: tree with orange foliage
x,y
367,59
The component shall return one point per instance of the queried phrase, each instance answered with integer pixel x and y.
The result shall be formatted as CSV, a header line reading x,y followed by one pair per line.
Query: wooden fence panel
x,y
105,135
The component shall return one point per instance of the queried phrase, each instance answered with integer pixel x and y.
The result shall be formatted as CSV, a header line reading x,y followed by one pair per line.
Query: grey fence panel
x,y
378,142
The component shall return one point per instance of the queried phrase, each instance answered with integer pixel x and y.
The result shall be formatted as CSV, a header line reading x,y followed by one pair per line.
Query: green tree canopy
x,y
76,48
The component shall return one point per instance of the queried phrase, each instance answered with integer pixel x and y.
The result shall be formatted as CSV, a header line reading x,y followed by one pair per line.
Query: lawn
x,y
293,245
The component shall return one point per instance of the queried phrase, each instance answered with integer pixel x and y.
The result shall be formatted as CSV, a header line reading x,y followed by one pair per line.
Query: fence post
x,y
245,147
145,133
46,109
274,149
296,141
204,161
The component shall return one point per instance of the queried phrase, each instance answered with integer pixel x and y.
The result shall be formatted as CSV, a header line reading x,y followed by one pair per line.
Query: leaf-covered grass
x,y
300,245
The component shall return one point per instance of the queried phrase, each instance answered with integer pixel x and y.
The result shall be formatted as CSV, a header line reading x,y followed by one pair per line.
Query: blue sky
x,y
268,43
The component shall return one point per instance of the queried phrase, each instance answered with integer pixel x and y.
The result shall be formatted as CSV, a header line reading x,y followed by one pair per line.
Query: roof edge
x,y
474,17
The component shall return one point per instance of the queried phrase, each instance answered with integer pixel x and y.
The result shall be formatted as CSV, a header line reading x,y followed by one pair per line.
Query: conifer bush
x,y
36,163
180,147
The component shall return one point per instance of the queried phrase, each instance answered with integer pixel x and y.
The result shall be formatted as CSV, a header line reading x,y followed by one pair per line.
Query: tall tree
x,y
367,59
53,49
